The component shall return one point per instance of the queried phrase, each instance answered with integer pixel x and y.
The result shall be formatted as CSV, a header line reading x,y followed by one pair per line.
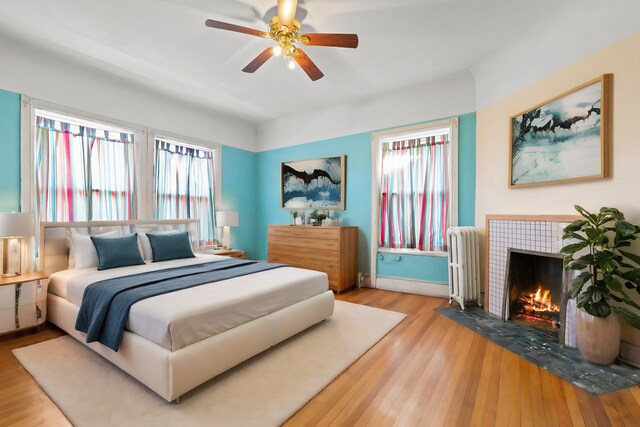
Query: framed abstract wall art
x,y
317,183
564,139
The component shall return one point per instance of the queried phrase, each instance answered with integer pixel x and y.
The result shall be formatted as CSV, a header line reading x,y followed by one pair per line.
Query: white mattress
x,y
178,319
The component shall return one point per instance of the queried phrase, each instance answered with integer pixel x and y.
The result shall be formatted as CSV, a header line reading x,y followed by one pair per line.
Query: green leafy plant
x,y
318,215
608,270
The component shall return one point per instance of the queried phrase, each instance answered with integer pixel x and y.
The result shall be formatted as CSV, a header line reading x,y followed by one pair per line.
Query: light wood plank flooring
x,y
427,371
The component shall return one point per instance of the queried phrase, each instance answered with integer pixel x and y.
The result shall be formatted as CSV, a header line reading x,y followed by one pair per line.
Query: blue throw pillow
x,y
117,251
170,246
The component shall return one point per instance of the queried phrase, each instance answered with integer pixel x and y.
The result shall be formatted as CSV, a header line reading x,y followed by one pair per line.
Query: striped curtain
x,y
83,173
184,186
414,196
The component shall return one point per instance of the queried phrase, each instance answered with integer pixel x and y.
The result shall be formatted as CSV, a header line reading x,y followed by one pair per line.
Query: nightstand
x,y
235,253
23,301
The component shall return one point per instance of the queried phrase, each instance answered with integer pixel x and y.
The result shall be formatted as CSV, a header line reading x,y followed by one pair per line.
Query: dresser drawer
x,y
27,294
305,242
289,252
28,316
7,320
307,232
329,267
7,297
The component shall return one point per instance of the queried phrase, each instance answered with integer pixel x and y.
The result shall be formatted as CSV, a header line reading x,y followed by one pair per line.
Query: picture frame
x,y
564,139
314,183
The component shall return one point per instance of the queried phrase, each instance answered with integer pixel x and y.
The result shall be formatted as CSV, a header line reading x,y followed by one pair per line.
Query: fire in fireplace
x,y
535,290
538,306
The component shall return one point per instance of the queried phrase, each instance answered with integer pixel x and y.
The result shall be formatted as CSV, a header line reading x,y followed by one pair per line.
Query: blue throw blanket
x,y
105,304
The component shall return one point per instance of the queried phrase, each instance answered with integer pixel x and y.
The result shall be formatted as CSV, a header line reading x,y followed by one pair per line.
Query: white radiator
x,y
464,265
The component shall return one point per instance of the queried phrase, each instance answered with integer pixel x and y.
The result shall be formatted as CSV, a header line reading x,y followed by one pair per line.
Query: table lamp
x,y
13,226
225,220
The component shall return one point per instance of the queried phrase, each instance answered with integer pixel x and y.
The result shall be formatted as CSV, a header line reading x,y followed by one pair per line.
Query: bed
x,y
174,342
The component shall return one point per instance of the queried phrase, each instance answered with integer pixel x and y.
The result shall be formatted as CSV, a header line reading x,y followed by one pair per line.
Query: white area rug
x,y
264,391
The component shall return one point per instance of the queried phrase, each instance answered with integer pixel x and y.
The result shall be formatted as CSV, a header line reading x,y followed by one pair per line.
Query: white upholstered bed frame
x,y
173,373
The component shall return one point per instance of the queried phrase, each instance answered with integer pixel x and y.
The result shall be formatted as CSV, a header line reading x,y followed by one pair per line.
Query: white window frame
x,y
144,152
189,143
28,190
409,132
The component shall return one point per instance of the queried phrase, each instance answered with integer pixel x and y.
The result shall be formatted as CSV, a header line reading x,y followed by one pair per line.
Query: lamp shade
x,y
227,219
15,224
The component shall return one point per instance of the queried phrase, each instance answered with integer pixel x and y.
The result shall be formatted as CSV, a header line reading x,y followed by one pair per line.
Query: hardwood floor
x,y
22,402
428,371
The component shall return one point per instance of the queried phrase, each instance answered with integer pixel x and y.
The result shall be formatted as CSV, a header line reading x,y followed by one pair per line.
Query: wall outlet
x,y
364,280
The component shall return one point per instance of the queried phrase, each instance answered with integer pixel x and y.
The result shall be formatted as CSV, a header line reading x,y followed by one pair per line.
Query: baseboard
x,y
411,286
630,353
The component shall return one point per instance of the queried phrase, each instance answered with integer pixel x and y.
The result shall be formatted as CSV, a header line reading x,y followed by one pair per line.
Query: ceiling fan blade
x,y
237,28
332,40
307,64
259,60
287,12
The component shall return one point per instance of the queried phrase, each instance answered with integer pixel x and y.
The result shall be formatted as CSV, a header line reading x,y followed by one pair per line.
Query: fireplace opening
x,y
535,290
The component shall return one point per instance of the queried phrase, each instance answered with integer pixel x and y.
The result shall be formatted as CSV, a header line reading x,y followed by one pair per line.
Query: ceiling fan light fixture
x,y
287,13
285,31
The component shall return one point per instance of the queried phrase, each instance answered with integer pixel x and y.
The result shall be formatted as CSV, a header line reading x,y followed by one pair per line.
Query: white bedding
x,y
178,319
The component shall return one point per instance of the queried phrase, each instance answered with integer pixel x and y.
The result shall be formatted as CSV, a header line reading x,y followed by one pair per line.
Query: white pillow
x,y
82,253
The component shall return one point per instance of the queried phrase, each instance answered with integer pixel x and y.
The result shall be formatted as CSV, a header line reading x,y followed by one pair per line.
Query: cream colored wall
x,y
621,190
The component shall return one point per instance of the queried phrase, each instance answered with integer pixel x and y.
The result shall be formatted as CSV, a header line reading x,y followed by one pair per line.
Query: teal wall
x,y
467,169
357,148
358,202
239,194
10,159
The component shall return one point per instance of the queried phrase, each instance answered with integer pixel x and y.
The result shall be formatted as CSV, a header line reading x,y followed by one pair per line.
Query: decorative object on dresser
x,y
317,217
226,220
564,139
314,184
23,301
333,250
13,226
608,272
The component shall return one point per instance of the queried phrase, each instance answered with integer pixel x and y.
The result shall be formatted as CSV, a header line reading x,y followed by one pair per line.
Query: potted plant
x,y
608,272
317,216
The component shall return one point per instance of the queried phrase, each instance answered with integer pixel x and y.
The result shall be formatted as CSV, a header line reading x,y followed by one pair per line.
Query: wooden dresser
x,y
333,250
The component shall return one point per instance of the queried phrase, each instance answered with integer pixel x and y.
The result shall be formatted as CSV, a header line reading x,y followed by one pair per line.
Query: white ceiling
x,y
164,45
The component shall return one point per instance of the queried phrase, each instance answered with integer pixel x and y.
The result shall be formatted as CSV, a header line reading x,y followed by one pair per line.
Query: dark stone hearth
x,y
543,350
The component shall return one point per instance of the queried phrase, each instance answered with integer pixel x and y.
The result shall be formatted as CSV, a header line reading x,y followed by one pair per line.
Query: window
x,y
83,171
415,182
184,185
77,166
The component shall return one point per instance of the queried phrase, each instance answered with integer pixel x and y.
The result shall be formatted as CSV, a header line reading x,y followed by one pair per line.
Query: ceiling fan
x,y
285,31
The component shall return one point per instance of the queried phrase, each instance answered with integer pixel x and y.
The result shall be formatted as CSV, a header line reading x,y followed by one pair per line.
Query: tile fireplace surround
x,y
527,232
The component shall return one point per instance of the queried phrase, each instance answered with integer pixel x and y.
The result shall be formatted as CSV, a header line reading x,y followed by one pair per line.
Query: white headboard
x,y
53,250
